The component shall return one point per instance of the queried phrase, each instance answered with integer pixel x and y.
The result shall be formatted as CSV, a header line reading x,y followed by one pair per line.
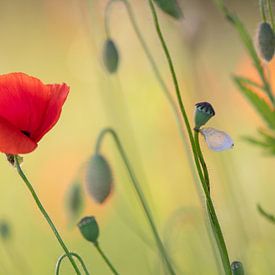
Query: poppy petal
x,y
12,141
57,94
29,105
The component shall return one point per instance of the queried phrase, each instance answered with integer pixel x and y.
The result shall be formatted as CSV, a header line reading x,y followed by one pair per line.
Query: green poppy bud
x,y
170,7
204,111
74,200
266,41
99,180
89,229
237,268
5,230
110,56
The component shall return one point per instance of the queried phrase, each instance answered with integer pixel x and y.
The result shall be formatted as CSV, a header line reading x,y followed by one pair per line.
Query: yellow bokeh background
x,y
61,41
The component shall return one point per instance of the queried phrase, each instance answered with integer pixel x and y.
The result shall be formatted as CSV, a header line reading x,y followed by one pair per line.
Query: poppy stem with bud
x,y
60,259
105,258
44,212
89,230
139,193
210,207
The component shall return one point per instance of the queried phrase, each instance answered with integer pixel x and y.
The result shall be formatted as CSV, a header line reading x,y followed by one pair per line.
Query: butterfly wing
x,y
217,140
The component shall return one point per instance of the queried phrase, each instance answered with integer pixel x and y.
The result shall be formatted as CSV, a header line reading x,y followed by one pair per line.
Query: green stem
x,y
167,94
150,59
139,193
262,9
271,14
105,258
201,158
60,259
44,213
210,206
211,211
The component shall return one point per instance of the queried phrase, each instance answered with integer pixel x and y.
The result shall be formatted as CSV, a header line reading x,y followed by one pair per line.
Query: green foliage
x,y
264,109
170,7
265,214
267,142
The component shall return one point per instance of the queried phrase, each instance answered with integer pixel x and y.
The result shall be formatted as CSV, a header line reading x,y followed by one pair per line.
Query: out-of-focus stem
x,y
139,192
60,259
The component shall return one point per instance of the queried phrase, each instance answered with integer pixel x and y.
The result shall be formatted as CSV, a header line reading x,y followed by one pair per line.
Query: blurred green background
x,y
61,41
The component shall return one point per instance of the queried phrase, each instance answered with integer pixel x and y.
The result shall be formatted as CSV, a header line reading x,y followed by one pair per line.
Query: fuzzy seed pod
x,y
74,200
237,268
89,229
99,178
110,56
204,111
266,41
170,7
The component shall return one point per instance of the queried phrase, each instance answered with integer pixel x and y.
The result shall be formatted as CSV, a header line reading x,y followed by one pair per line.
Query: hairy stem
x,y
45,214
105,258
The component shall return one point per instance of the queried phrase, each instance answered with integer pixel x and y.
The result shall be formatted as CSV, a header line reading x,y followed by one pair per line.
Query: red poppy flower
x,y
28,110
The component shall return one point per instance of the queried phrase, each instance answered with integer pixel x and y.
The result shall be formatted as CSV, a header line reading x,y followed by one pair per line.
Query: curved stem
x,y
167,94
150,59
139,193
105,258
44,213
214,220
60,259
262,9
271,14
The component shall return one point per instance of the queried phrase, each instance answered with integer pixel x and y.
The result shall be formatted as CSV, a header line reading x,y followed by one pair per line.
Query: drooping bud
x,y
217,140
237,268
170,7
74,201
266,41
99,180
89,229
110,56
204,111
5,230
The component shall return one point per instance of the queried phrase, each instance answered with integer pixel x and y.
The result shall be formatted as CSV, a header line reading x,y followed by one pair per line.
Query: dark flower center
x,y
26,133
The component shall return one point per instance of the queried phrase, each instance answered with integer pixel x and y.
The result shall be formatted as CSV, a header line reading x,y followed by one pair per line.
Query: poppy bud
x,y
89,229
110,56
237,268
74,200
170,7
5,231
204,111
99,178
266,41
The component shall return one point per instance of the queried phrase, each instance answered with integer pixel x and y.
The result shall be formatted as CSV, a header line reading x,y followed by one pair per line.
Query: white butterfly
x,y
217,140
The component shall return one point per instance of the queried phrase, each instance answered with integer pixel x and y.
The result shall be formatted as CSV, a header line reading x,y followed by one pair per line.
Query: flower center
x,y
26,133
